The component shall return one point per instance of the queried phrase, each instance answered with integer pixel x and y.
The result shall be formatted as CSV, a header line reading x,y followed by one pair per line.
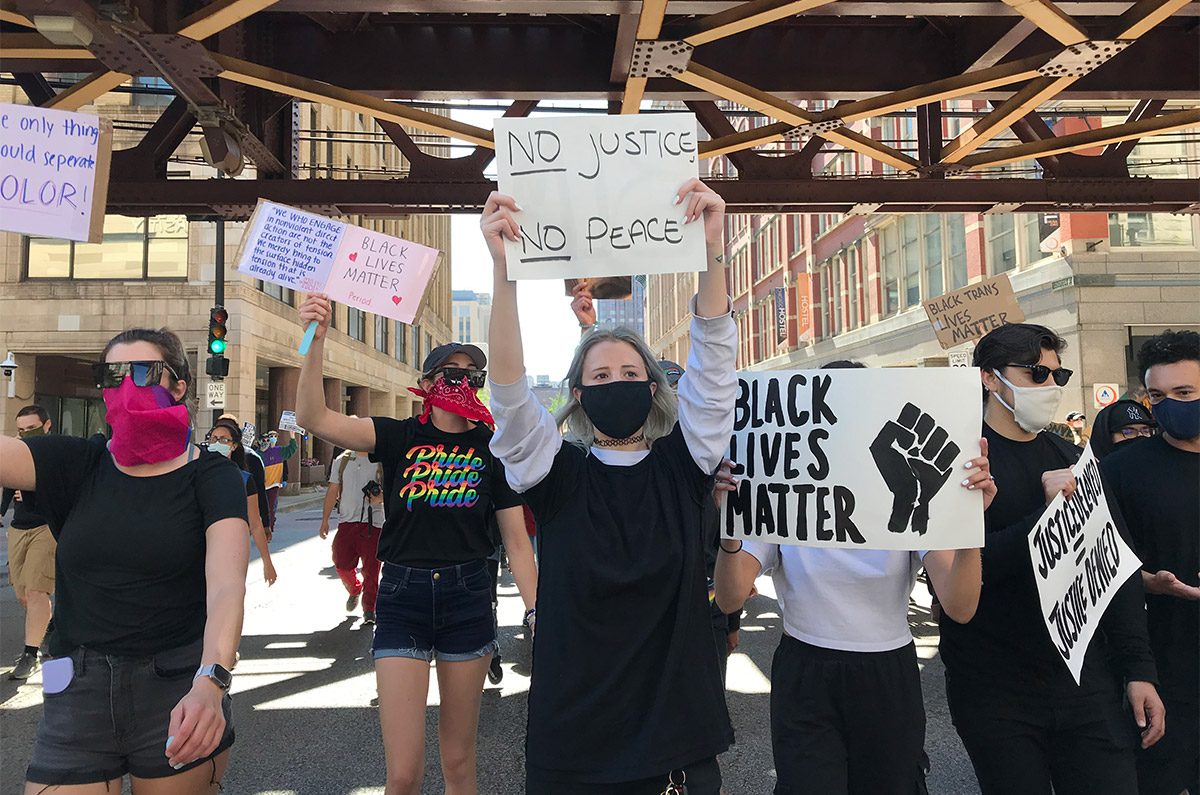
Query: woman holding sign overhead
x,y
1024,721
441,488
627,694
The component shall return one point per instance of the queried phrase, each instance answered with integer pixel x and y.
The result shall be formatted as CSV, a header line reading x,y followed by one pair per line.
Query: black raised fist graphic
x,y
915,456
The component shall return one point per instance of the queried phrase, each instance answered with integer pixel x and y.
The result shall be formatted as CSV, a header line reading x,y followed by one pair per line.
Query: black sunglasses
x,y
456,375
110,375
1040,372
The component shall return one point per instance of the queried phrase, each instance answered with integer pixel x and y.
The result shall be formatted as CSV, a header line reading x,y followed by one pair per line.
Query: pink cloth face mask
x,y
149,427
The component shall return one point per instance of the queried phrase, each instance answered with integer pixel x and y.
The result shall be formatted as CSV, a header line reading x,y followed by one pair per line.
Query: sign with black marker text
x,y
596,194
856,458
1079,561
971,312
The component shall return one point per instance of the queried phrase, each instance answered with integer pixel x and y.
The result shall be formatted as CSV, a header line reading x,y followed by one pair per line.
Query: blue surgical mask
x,y
220,448
1180,419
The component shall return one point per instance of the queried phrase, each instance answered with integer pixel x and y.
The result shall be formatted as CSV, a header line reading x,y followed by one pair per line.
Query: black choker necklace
x,y
641,437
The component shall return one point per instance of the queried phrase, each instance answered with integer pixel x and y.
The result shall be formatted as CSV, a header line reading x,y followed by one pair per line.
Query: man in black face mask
x,y
1156,484
31,550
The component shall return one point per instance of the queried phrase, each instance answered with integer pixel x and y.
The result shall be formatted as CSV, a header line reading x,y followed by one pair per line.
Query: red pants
x,y
355,541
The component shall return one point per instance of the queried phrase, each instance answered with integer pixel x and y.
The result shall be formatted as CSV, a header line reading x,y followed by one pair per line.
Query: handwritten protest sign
x,y
287,422
856,459
596,194
53,172
1079,561
969,313
359,267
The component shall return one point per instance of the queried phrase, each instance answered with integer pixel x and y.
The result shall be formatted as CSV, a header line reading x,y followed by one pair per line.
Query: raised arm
x,y
17,472
352,433
708,388
506,358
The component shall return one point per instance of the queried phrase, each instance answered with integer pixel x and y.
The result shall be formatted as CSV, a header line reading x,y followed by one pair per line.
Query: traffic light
x,y
218,332
218,316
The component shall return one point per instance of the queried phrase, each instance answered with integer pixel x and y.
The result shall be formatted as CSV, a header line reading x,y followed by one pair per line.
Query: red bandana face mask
x,y
148,425
461,400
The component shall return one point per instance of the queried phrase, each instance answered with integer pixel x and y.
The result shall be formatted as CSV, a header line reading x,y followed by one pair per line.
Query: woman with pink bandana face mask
x,y
441,488
152,555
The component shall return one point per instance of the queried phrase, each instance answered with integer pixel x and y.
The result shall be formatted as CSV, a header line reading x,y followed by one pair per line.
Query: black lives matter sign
x,y
973,311
856,459
1079,560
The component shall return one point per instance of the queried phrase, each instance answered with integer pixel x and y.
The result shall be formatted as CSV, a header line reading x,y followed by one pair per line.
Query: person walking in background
x,y
274,460
1156,485
225,439
30,553
254,465
1119,424
151,577
356,490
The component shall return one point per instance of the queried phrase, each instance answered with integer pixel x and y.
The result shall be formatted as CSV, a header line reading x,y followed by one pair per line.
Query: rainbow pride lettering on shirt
x,y
442,478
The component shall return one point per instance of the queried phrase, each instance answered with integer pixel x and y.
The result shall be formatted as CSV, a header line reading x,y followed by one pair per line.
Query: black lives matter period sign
x,y
1079,560
856,459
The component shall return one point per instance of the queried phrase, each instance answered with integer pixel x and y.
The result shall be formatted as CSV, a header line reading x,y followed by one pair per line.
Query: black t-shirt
x,y
1157,487
626,680
131,551
254,466
25,517
1006,647
440,490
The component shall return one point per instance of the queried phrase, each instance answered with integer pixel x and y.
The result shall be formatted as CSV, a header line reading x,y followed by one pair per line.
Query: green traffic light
x,y
217,346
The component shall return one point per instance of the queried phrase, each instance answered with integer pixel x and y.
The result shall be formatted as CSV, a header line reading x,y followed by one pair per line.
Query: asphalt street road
x,y
302,692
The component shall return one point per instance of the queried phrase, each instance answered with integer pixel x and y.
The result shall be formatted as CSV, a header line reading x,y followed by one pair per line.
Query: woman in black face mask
x,y
628,695
1119,423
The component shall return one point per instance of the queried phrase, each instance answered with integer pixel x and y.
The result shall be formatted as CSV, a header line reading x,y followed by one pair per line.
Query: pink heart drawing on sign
x,y
396,300
354,256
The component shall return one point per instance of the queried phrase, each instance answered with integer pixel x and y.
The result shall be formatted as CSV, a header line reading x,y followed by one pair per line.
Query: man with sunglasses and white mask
x,y
1024,722
441,488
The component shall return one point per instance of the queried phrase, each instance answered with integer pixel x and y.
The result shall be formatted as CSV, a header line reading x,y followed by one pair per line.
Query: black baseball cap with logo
x,y
1124,413
438,356
674,372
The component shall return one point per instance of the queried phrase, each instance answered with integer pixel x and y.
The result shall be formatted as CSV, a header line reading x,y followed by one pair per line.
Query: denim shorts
x,y
428,614
112,716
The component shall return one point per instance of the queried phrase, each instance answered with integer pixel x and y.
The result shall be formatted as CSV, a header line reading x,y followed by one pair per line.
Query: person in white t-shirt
x,y
847,716
356,487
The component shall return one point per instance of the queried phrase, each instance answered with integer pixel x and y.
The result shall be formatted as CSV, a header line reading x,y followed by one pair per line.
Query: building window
x,y
356,324
889,264
401,342
1149,229
381,333
910,250
1001,242
428,344
279,293
132,248
852,284
418,360
956,237
931,231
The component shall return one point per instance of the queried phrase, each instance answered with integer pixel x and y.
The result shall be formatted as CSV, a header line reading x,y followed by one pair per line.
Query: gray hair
x,y
663,408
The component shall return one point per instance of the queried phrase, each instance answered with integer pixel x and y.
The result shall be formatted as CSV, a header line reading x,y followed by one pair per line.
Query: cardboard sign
x,y
856,459
287,422
53,172
973,311
1079,561
358,267
596,194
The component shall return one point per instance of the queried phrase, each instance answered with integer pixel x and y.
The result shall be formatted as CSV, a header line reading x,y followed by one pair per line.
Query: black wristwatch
x,y
220,676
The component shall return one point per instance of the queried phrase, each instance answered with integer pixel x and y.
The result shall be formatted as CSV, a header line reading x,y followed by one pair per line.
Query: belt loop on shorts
x,y
77,659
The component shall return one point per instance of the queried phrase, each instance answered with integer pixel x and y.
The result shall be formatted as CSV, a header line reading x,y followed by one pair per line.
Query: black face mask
x,y
619,408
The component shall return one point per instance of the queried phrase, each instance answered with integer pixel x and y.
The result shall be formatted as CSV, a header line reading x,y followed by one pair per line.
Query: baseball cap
x,y
1128,412
441,353
672,370
1075,415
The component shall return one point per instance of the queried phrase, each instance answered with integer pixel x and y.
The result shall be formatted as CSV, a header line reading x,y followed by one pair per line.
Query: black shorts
x,y
112,716
701,778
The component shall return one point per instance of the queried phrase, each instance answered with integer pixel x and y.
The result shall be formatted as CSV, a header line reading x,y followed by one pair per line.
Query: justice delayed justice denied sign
x,y
53,172
856,459
358,267
1079,561
596,194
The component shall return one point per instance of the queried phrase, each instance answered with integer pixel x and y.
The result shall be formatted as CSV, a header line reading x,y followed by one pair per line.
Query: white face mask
x,y
1034,406
221,448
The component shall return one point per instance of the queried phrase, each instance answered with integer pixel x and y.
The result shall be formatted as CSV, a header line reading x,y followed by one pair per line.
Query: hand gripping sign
x,y
358,267
1079,561
856,459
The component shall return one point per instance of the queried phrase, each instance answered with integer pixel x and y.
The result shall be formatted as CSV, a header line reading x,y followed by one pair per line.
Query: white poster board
x,y
53,172
596,194
856,459
1079,561
287,422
